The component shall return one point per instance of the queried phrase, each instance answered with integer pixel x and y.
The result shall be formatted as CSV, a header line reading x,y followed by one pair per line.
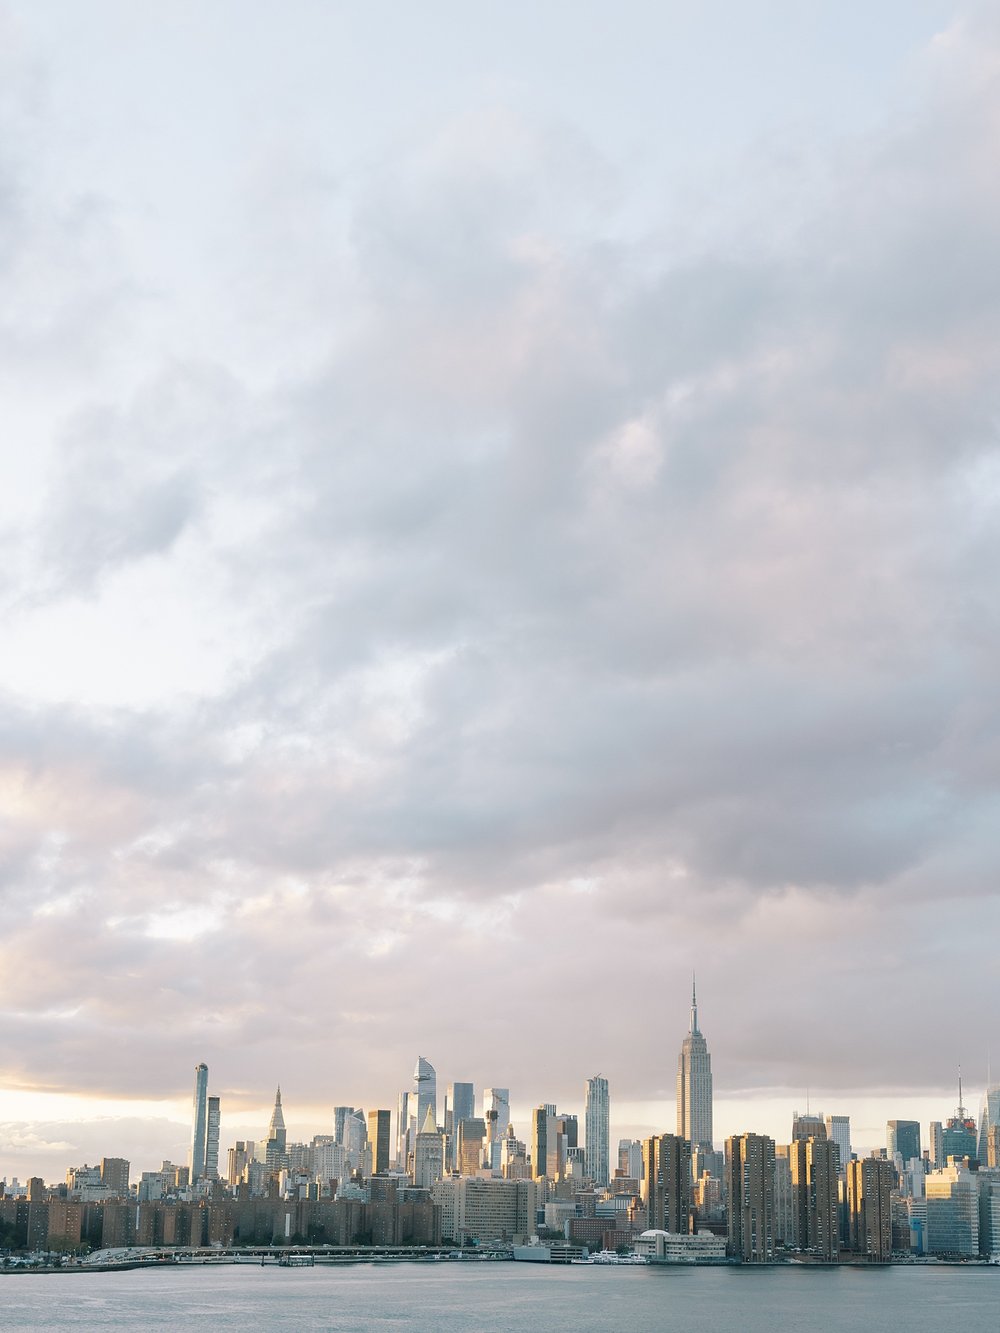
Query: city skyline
x,y
208,1119
498,512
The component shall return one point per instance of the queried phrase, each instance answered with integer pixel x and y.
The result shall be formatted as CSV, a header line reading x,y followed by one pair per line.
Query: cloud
x,y
579,611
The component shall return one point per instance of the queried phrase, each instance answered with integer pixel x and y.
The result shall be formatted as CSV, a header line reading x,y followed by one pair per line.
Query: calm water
x,y
508,1298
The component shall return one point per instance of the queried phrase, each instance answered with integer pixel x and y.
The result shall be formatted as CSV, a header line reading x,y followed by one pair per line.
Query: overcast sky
x,y
498,508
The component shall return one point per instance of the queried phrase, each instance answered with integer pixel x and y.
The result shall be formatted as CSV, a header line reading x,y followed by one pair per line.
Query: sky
x,y
498,511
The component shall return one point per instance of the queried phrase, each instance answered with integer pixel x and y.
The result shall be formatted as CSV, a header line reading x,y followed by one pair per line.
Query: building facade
x,y
694,1083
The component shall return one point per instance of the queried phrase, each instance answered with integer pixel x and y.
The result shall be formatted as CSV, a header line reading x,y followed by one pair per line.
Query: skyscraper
x,y
750,1187
274,1152
496,1113
869,1200
597,1128
667,1186
378,1138
212,1139
815,1197
199,1121
424,1091
960,1138
903,1137
694,1084
989,1117
838,1129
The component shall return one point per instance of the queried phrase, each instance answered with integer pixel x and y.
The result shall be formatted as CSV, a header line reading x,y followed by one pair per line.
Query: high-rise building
x,y
815,1196
425,1089
694,1083
902,1137
403,1144
199,1121
378,1138
784,1210
750,1188
114,1174
496,1113
542,1129
989,1118
807,1127
630,1158
340,1118
428,1153
838,1130
667,1186
936,1145
459,1104
870,1184
960,1138
212,1122
274,1151
470,1139
597,1127
953,1211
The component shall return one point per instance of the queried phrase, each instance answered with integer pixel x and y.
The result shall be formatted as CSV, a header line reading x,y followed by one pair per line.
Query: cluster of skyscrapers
x,y
454,1169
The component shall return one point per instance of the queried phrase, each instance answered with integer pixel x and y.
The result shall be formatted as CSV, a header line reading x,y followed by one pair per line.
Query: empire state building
x,y
694,1084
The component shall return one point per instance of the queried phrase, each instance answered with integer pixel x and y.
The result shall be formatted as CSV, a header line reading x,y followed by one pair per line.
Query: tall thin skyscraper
x,y
694,1084
199,1121
496,1113
212,1139
597,1127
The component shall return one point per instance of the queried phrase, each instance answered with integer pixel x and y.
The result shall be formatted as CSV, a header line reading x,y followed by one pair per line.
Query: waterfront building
x,y
378,1139
902,1138
661,1247
667,1184
784,1224
486,1210
815,1197
597,1128
199,1122
952,1193
694,1083
870,1184
989,1212
750,1190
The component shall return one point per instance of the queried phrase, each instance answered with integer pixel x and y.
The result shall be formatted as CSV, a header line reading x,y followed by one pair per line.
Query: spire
x,y
429,1126
694,1006
277,1117
961,1108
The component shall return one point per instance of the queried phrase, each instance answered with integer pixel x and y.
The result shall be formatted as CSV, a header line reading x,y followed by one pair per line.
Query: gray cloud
x,y
601,611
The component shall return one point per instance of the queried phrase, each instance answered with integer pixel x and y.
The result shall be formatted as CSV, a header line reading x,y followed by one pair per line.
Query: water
x,y
508,1298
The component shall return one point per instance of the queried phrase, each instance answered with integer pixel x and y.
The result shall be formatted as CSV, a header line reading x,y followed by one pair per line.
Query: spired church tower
x,y
694,1084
